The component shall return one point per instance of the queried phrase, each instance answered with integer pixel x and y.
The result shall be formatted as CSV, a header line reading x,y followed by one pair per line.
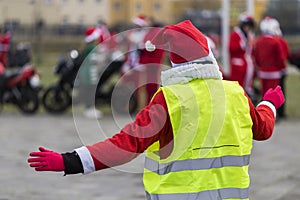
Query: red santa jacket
x,y
4,48
270,56
284,45
286,51
240,50
135,43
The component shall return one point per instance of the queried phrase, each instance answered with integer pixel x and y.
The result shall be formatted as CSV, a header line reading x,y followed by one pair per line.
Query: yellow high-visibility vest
x,y
212,131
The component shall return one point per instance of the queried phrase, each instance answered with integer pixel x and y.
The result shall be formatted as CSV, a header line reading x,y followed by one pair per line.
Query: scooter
x,y
21,88
57,98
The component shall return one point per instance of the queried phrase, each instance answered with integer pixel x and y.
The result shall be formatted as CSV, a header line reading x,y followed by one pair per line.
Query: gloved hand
x,y
46,160
275,96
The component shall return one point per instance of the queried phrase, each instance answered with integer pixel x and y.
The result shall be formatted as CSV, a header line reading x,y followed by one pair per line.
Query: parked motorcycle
x,y
21,87
20,56
58,97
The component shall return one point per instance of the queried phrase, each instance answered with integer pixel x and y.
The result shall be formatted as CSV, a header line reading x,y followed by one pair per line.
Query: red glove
x,y
275,96
46,160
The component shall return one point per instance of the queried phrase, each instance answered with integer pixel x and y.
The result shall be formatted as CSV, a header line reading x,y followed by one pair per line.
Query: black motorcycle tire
x,y
56,100
124,100
28,103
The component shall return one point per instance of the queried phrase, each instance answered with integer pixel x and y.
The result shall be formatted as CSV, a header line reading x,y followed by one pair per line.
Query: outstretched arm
x,y
264,114
124,146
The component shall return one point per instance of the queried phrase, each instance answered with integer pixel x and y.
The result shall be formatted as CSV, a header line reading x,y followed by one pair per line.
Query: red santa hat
x,y
92,34
187,44
140,20
190,54
246,19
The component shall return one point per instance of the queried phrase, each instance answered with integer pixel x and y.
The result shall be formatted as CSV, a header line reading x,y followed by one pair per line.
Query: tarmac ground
x,y
274,168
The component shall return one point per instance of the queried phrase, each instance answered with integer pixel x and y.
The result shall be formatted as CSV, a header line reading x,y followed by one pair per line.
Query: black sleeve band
x,y
72,163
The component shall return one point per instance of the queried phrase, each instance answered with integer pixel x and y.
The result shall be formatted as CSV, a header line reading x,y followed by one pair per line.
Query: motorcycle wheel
x,y
56,100
124,100
29,101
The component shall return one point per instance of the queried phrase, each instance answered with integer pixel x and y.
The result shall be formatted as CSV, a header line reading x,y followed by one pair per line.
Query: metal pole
x,y
225,35
250,7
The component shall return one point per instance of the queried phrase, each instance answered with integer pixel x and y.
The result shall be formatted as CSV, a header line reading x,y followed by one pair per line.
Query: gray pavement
x,y
274,164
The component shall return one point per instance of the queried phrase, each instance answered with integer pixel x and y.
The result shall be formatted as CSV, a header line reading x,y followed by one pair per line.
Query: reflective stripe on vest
x,y
226,193
196,164
212,137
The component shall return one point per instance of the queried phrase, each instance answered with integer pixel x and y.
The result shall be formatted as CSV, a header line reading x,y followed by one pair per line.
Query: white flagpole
x,y
250,7
225,35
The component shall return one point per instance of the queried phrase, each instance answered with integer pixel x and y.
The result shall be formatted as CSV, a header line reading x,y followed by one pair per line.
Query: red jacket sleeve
x,y
134,138
263,121
153,124
235,44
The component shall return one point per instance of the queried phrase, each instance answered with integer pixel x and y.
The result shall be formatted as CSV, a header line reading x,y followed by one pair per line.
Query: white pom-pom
x,y
149,46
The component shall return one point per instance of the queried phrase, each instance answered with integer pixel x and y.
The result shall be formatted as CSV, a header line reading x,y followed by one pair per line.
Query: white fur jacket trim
x,y
186,73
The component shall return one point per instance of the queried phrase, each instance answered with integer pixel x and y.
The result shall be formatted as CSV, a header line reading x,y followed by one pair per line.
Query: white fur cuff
x,y
270,105
86,160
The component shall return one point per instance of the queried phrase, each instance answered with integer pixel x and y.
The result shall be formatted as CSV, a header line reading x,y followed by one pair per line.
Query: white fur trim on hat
x,y
270,105
190,71
270,26
140,22
94,36
149,46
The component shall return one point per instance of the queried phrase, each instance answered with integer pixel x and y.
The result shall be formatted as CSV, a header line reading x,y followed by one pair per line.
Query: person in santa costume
x,y
89,73
270,54
240,53
132,69
135,44
5,40
197,131
286,52
152,63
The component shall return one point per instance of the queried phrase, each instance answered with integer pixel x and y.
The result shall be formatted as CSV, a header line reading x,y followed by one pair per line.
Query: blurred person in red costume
x,y
152,62
135,43
97,33
132,68
213,42
270,55
286,53
240,52
5,40
197,131
89,73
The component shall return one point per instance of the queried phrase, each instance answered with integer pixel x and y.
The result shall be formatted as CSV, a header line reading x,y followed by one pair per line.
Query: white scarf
x,y
190,71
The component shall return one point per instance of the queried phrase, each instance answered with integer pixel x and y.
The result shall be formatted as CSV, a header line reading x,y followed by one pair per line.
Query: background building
x,y
87,12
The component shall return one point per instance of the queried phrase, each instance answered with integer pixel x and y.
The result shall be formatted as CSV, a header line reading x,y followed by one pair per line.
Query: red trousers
x,y
267,84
